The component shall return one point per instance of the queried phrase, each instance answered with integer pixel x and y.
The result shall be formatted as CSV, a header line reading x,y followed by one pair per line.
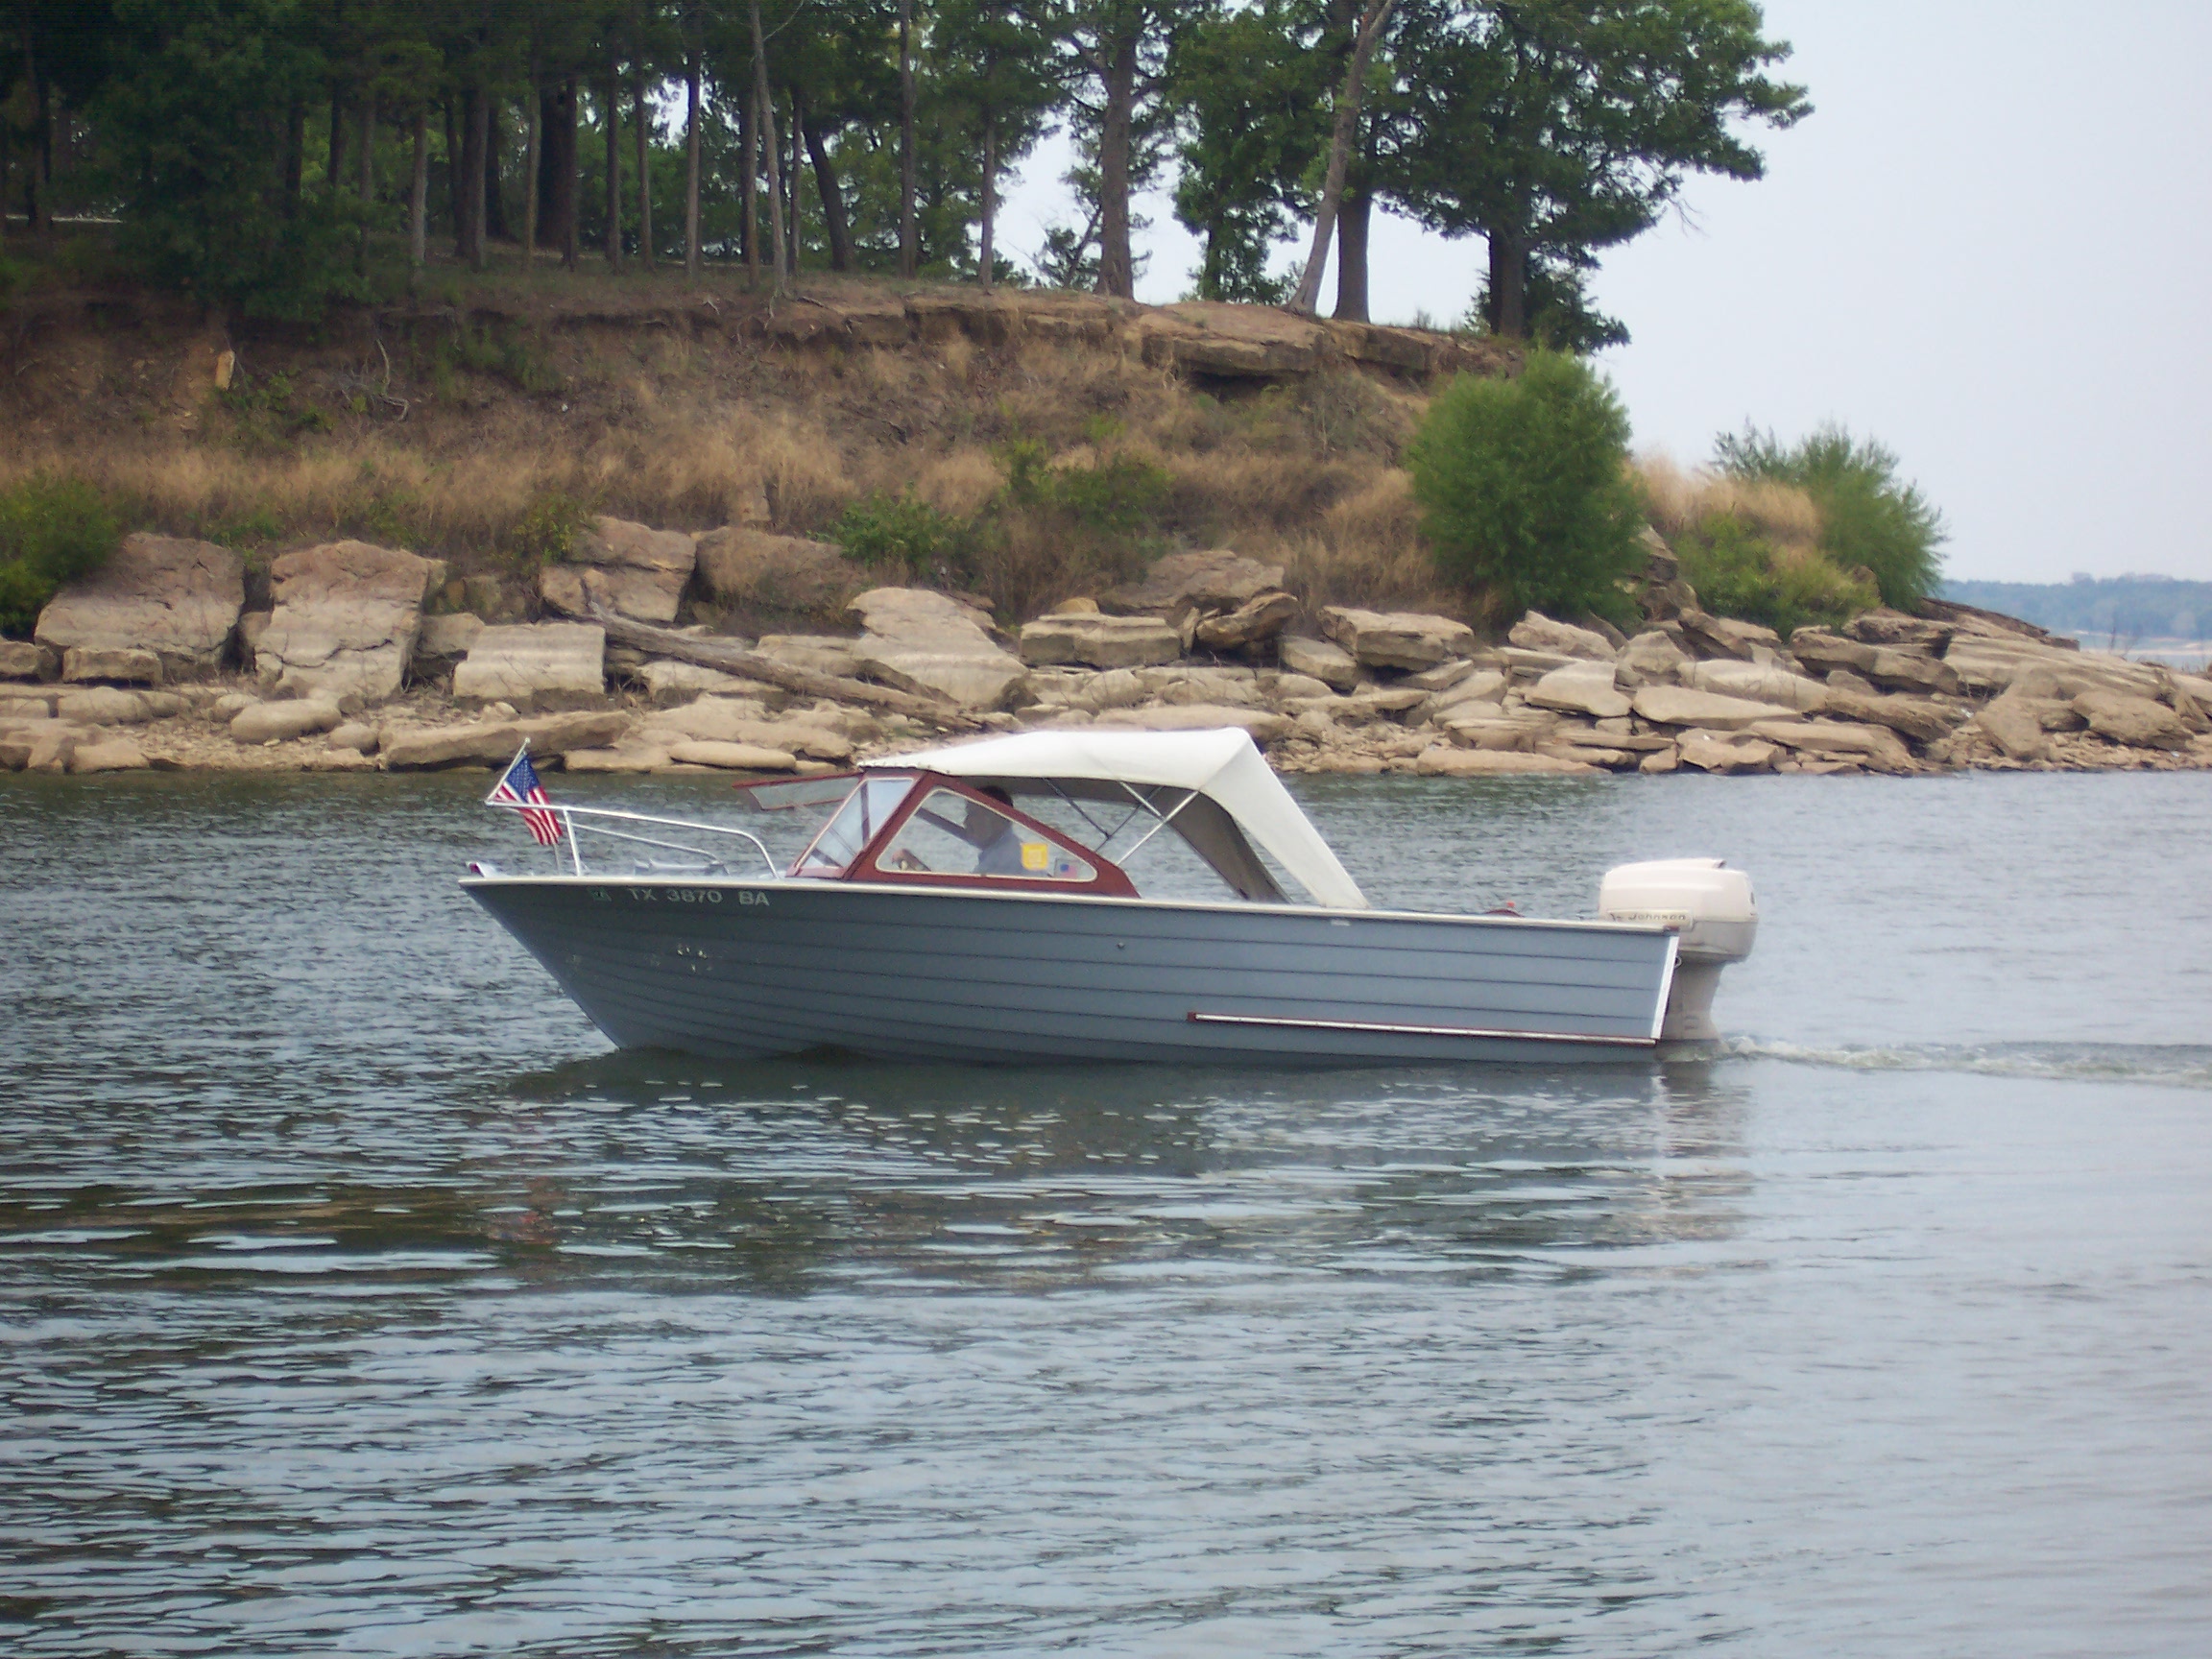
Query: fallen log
x,y
751,665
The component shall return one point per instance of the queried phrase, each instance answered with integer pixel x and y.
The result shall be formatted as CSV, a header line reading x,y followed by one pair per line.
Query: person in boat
x,y
995,837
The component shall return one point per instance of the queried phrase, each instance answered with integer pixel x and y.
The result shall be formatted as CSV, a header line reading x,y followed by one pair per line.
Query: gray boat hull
x,y
750,970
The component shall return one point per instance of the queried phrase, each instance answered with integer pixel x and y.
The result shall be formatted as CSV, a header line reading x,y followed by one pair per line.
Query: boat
x,y
1009,899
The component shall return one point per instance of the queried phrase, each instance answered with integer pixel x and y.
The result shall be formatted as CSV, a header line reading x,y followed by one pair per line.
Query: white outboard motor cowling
x,y
1710,906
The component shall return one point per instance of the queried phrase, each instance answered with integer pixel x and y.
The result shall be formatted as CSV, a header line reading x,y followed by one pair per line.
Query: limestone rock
x,y
1667,759
1214,579
22,660
1232,341
622,757
534,665
1876,746
1537,631
1583,688
1200,683
931,644
361,738
2012,725
1708,711
733,756
1264,726
1991,662
670,684
1710,636
1760,684
109,755
493,743
1395,638
2135,721
1915,717
741,721
831,654
1897,668
1441,678
346,617
116,665
1101,641
743,566
632,569
103,705
1254,623
1331,665
284,721
51,745
445,641
1713,752
178,598
1824,651
1442,762
1650,658
1886,627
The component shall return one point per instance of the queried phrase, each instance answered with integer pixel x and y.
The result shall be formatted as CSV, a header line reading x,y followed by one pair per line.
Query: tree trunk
x,y
495,193
453,175
833,221
556,168
571,178
984,252
691,172
766,108
1351,223
749,171
1342,130
479,145
295,155
1509,285
533,119
336,168
614,165
1117,268
418,204
910,229
644,170
466,177
791,179
368,179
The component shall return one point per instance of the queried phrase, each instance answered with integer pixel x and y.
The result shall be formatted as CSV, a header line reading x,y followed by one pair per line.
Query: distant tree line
x,y
2107,610
251,146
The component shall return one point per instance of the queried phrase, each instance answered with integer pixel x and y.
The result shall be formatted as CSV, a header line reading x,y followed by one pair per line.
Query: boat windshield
x,y
854,825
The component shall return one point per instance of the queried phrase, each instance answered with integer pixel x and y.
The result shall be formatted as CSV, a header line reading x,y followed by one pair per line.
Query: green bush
x,y
1119,495
546,532
1868,517
51,531
1738,572
1525,488
896,532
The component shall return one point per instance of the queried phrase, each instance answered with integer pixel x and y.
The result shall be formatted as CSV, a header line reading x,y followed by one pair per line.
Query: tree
x,y
1559,127
1343,129
1117,52
994,72
1525,487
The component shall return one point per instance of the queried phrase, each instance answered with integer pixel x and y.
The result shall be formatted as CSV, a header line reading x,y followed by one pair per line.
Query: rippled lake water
x,y
353,1298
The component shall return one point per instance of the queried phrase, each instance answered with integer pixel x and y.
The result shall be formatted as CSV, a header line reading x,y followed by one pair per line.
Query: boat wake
x,y
2172,1065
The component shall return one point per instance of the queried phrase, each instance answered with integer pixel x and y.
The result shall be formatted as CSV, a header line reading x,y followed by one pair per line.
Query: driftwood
x,y
751,665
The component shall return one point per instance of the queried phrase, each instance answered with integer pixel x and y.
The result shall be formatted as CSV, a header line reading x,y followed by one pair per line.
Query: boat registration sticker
x,y
1036,856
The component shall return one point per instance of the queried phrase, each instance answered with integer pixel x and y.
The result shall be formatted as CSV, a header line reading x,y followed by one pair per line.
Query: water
x,y
354,1299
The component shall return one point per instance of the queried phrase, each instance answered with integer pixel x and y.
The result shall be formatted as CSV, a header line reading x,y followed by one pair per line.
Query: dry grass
x,y
688,431
1678,500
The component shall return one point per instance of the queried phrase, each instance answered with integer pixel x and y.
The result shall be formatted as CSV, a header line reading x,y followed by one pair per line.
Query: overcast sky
x,y
1989,246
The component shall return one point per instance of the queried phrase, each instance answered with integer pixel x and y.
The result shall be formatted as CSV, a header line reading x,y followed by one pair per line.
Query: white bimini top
x,y
1222,769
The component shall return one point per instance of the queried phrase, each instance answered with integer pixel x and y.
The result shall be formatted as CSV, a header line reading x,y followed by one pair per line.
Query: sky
x,y
1989,246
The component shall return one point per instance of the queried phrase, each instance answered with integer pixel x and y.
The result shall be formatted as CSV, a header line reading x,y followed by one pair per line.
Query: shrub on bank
x,y
1525,488
1750,548
1868,517
53,530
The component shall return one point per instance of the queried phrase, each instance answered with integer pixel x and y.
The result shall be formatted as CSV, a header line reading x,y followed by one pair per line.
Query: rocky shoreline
x,y
369,658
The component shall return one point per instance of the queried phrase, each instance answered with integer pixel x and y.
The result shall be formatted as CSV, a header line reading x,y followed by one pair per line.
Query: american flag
x,y
518,787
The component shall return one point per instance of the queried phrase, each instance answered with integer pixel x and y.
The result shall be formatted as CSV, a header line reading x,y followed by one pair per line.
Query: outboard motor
x,y
1710,906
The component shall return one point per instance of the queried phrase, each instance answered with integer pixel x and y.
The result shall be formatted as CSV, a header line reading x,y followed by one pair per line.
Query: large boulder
x,y
1581,689
1537,631
1232,341
1824,651
1395,638
1100,641
104,706
1264,726
535,666
1904,668
929,643
346,617
731,757
630,568
2135,721
1254,623
1650,658
1444,762
1875,746
669,683
109,755
1725,752
1705,711
111,664
1710,636
1759,683
1887,627
831,653
493,743
22,660
2012,724
743,566
444,641
1214,579
284,721
1919,718
1331,664
177,598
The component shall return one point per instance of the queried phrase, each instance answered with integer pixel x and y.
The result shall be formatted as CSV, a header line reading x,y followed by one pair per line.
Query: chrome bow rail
x,y
598,821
